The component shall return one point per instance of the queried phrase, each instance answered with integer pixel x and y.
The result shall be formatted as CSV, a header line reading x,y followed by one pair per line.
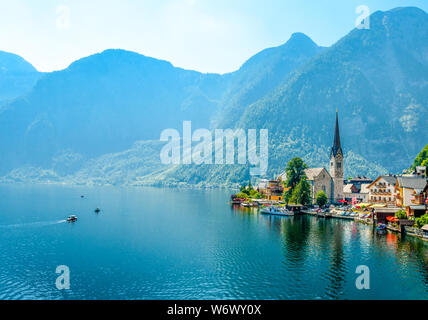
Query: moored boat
x,y
276,211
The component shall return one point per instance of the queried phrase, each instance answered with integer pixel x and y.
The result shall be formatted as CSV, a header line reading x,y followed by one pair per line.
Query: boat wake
x,y
32,224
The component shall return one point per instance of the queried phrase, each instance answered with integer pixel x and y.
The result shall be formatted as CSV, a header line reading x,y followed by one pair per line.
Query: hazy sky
x,y
204,35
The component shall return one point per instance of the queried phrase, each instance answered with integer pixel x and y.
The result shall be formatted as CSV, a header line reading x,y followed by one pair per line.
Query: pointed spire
x,y
337,148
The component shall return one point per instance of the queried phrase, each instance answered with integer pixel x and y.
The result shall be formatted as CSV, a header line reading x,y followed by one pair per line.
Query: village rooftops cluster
x,y
391,192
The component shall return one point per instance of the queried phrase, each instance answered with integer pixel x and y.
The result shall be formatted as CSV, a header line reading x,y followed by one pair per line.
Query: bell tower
x,y
336,165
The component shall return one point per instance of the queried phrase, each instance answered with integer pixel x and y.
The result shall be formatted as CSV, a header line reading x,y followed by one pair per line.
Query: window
x,y
338,164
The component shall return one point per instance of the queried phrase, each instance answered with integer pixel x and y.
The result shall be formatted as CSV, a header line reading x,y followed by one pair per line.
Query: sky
x,y
205,35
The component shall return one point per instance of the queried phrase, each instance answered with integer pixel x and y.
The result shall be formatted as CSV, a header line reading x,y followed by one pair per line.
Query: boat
x,y
72,218
276,211
249,204
97,210
381,227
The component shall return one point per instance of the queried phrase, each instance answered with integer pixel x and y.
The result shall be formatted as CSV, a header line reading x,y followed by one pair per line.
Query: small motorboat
x,y
276,211
97,210
72,218
381,227
249,204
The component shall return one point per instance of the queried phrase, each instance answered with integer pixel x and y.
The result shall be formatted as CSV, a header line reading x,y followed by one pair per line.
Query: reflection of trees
x,y
416,250
336,272
295,232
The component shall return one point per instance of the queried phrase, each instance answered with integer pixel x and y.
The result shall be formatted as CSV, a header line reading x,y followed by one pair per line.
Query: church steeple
x,y
337,148
336,165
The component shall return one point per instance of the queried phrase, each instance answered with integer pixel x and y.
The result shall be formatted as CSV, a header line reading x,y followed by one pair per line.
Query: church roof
x,y
312,173
337,148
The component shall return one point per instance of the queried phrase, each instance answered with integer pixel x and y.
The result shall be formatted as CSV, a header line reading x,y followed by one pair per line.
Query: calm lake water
x,y
150,243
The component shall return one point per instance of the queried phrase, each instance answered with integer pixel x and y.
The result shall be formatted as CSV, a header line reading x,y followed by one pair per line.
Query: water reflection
x,y
321,255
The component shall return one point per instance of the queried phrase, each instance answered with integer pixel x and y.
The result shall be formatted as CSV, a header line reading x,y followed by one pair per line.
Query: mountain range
x,y
99,120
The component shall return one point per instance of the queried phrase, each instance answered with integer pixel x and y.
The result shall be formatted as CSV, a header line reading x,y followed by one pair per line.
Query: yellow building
x,y
274,190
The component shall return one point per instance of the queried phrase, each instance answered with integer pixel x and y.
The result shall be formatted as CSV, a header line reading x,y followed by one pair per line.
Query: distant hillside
x,y
17,76
377,78
102,104
261,74
80,125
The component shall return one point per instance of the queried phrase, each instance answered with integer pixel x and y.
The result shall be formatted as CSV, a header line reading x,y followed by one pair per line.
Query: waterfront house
x,y
382,191
358,181
357,193
408,193
274,190
381,212
350,192
364,192
412,194
262,186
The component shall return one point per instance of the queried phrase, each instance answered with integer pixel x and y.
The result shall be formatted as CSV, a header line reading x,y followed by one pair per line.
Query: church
x,y
331,182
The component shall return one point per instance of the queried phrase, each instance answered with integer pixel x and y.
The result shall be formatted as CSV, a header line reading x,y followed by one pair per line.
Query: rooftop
x,y
412,182
312,173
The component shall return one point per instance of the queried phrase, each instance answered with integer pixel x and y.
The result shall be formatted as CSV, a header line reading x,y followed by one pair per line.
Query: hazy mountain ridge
x,y
103,104
79,125
17,77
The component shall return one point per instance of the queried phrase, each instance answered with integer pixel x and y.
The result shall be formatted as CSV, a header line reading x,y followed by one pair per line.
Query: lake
x,y
150,243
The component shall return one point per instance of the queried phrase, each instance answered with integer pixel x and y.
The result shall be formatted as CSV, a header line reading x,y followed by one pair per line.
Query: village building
x,y
320,180
364,192
382,191
409,190
331,182
358,181
274,190
356,193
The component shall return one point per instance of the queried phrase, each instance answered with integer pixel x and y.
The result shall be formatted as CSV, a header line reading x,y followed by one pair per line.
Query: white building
x,y
382,191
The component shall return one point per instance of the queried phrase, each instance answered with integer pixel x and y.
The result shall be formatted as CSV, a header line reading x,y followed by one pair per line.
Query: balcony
x,y
380,186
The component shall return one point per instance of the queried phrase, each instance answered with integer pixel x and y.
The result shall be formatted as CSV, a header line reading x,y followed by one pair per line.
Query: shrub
x,y
321,198
401,214
421,221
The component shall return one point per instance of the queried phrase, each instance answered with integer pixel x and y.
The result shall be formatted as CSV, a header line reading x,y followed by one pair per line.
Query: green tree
x,y
421,159
422,220
401,214
295,170
321,198
302,192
